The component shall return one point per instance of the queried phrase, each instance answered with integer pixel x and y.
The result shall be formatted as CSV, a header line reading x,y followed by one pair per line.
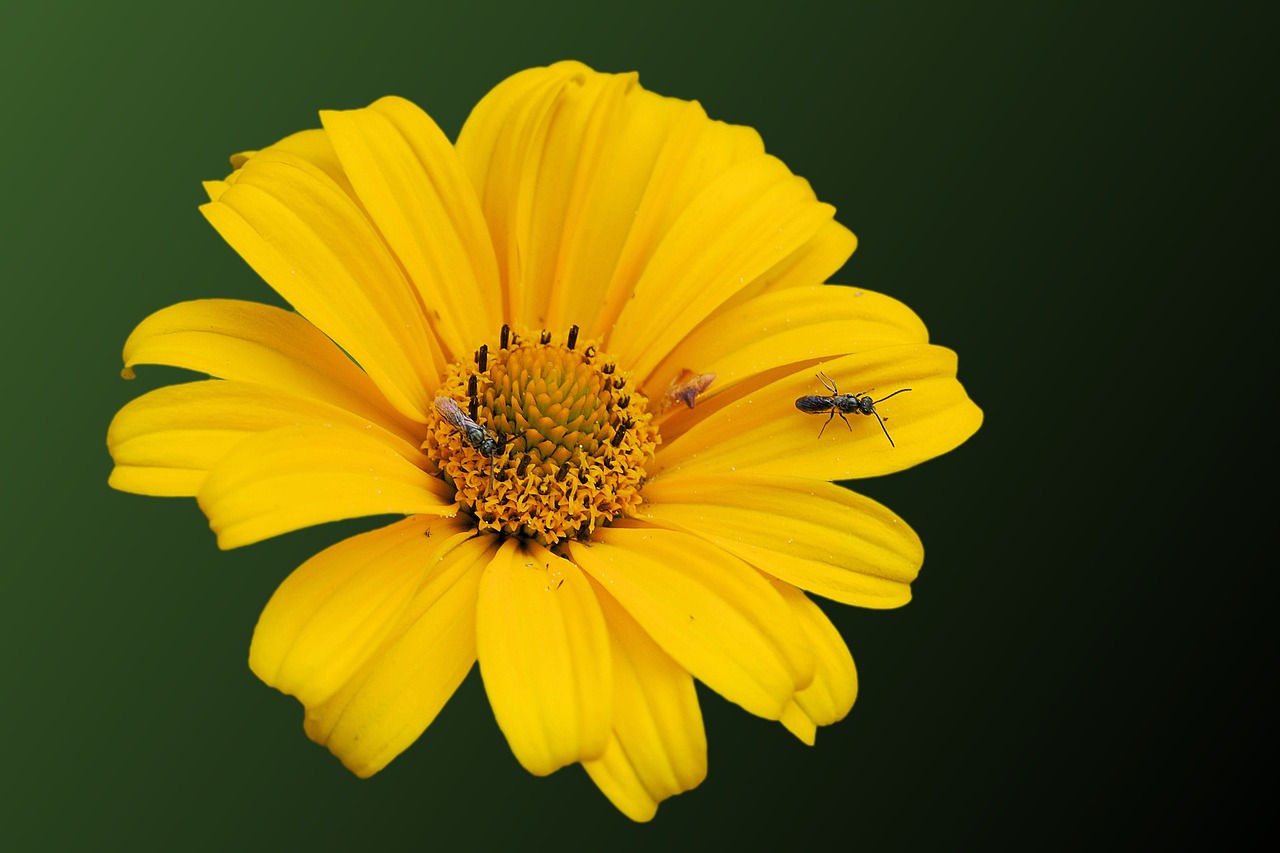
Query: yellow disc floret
x,y
571,437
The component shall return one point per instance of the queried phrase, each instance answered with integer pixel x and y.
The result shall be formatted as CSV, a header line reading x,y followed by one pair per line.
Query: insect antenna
x,y
894,394
880,419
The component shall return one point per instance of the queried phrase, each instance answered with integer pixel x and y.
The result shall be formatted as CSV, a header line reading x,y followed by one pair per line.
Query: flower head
x,y
569,350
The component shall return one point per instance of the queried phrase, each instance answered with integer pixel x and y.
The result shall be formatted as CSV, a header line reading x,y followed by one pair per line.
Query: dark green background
x,y
1075,198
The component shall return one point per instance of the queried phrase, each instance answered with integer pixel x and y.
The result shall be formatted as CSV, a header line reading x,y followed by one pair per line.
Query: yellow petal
x,y
312,145
835,680
761,430
166,441
797,325
409,179
307,239
716,616
544,656
580,175
215,189
231,339
337,609
736,230
796,721
294,477
617,131
815,535
499,147
575,153
810,265
658,748
408,679
694,153
572,218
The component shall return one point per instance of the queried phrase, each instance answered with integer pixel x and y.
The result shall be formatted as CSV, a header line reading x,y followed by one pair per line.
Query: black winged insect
x,y
476,435
843,404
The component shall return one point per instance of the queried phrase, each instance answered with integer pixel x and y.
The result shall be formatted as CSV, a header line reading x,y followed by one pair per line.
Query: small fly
x,y
843,404
475,434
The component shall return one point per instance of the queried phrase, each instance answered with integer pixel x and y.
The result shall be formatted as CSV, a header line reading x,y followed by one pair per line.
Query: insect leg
x,y
827,421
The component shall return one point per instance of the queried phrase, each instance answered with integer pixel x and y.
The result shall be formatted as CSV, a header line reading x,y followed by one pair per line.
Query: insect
x,y
843,404
476,435
686,387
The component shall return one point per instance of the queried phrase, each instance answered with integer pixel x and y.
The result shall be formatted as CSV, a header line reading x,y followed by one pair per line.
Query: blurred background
x,y
1072,196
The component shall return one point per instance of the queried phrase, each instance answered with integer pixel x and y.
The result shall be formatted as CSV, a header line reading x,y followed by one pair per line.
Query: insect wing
x,y
449,410
814,404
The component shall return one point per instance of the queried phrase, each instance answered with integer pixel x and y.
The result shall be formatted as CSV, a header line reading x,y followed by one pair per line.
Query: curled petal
x,y
796,721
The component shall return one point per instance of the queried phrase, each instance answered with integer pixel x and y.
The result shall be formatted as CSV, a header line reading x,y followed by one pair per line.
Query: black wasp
x,y
843,404
477,436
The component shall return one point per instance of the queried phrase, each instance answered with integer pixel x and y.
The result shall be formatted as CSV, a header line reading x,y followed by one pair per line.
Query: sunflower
x,y
573,350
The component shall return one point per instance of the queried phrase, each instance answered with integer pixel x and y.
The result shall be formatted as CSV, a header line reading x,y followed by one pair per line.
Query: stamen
x,y
621,432
572,450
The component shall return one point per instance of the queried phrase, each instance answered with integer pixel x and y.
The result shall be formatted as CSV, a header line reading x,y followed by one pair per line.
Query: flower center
x,y
544,441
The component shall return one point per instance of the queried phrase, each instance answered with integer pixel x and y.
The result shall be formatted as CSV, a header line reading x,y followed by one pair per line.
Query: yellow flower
x,y
569,350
